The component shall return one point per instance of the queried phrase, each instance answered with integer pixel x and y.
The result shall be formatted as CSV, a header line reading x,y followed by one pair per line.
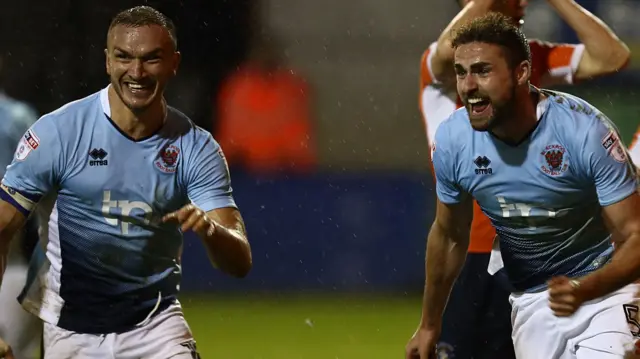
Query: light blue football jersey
x,y
545,195
111,263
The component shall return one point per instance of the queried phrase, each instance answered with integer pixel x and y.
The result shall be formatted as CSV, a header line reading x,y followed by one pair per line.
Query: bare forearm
x,y
623,269
601,43
229,250
442,62
444,260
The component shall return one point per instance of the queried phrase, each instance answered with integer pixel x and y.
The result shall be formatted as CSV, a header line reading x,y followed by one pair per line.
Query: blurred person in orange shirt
x,y
476,324
264,120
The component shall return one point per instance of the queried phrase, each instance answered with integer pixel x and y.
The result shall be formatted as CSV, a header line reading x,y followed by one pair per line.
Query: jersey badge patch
x,y
555,162
168,157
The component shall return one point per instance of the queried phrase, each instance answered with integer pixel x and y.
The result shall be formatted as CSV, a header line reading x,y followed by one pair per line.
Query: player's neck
x,y
137,125
522,120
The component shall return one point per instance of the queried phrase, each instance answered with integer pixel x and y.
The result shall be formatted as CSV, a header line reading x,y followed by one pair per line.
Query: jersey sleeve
x,y
557,63
36,167
209,181
444,166
426,73
607,162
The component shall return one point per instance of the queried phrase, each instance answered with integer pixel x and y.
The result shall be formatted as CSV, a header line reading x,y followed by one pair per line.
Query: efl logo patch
x,y
29,142
168,157
555,161
612,144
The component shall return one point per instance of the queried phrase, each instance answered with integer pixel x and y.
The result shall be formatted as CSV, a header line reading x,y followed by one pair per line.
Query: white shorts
x,y
165,336
604,328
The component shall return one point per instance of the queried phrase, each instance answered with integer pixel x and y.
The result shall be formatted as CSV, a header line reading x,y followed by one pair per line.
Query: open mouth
x,y
479,106
139,89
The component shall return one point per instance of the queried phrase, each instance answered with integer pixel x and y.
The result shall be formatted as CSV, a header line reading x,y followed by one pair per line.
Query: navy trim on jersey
x,y
35,198
7,197
84,322
129,137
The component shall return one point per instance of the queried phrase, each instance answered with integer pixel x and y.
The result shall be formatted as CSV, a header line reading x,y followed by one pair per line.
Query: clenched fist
x,y
422,345
564,296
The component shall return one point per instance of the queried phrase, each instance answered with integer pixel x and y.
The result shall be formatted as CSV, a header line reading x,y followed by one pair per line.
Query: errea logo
x,y
98,157
482,165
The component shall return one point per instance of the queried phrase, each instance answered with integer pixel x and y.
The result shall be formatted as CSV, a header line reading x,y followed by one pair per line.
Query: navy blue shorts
x,y
477,320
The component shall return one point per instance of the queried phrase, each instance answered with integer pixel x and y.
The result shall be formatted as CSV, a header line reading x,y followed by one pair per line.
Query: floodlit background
x,y
328,154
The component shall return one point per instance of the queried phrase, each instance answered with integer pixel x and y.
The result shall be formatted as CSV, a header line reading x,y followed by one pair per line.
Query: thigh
x,y
166,335
612,324
467,306
536,330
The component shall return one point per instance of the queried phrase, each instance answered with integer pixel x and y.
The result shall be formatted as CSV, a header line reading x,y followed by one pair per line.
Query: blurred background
x,y
316,106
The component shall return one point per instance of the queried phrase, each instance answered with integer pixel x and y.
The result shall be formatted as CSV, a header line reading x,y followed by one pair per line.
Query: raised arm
x,y
604,52
441,62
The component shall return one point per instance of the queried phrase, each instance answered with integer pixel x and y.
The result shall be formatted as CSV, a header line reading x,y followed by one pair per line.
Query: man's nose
x,y
136,70
469,84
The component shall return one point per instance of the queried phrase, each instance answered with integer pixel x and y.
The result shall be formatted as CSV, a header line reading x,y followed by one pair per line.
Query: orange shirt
x,y
264,121
552,64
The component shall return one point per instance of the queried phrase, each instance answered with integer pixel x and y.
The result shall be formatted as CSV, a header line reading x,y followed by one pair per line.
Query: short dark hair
x,y
497,29
144,16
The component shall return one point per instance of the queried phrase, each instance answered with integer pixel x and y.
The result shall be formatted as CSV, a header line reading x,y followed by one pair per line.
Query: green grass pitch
x,y
301,327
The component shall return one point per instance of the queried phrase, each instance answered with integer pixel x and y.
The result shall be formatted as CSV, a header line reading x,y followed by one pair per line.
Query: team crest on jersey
x,y
555,162
29,143
167,161
612,144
